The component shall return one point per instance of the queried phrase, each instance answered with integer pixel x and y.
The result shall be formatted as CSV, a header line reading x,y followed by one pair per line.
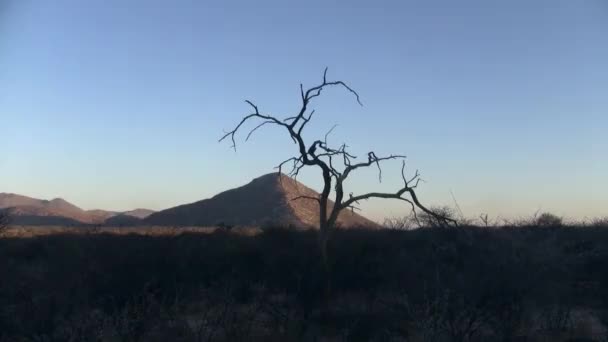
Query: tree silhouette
x,y
319,154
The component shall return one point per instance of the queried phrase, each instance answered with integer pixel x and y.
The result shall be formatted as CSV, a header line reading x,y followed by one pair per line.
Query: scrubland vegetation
x,y
543,281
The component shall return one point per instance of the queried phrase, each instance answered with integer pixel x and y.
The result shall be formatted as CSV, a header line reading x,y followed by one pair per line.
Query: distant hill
x,y
98,215
128,218
267,200
139,213
8,200
32,211
27,210
123,220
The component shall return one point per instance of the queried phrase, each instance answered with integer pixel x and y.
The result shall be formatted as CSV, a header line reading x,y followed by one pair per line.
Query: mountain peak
x,y
266,200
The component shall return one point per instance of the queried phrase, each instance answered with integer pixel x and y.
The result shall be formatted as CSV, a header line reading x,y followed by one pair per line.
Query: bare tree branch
x,y
256,127
329,132
256,114
306,197
314,92
297,165
371,159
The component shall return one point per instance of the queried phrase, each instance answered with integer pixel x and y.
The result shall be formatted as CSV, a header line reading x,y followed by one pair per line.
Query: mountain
x,y
123,220
267,200
32,211
27,210
138,213
128,218
8,200
98,215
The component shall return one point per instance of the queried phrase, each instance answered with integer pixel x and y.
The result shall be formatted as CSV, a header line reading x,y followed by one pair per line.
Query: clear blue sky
x,y
118,104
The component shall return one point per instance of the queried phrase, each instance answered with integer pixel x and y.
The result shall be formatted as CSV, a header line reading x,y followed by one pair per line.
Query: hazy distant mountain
x,y
267,200
128,218
98,215
32,211
139,213
122,220
8,200
26,210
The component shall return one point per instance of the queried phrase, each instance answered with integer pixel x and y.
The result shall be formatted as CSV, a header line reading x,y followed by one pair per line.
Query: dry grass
x,y
155,283
33,231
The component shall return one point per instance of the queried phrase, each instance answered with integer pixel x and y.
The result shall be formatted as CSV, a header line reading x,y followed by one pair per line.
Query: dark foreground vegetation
x,y
542,283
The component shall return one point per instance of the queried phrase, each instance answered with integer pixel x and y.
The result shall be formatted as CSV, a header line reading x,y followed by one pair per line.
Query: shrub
x,y
549,220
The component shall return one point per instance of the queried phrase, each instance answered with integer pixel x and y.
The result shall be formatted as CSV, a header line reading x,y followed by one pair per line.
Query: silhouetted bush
x,y
4,220
549,220
401,223
600,222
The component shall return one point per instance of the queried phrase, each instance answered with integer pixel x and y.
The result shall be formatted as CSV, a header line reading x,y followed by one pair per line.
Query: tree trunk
x,y
323,244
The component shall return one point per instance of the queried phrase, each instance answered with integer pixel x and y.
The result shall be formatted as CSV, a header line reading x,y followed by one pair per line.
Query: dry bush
x,y
538,219
423,219
439,216
601,222
400,223
549,220
4,221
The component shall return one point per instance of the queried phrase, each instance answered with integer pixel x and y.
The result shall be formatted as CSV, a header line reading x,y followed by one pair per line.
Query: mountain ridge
x,y
267,200
27,210
243,206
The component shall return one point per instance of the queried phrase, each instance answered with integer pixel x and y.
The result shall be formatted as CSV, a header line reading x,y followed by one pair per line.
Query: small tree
x,y
548,220
319,154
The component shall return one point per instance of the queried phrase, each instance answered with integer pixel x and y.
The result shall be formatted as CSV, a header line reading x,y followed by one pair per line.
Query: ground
x,y
198,284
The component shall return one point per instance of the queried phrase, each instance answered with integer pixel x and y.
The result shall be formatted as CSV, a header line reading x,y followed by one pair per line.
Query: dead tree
x,y
319,154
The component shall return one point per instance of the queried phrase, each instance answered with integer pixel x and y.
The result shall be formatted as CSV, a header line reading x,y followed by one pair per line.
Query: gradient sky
x,y
118,104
